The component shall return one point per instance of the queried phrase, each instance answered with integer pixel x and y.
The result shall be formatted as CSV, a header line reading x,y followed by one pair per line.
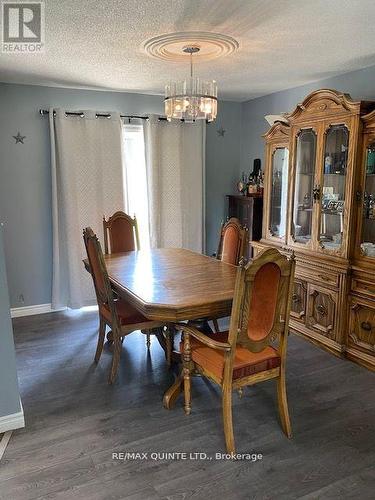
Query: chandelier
x,y
191,99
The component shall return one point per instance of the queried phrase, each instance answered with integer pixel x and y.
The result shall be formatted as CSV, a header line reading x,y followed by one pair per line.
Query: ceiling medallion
x,y
169,46
191,99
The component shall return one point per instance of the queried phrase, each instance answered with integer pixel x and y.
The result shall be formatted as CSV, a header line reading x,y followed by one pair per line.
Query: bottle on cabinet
x,y
252,187
327,165
254,182
242,184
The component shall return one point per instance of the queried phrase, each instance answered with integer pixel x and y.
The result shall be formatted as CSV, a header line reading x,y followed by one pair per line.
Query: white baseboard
x,y
17,312
12,422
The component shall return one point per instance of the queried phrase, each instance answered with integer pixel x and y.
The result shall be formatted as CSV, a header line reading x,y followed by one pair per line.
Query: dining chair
x,y
231,242
116,313
231,249
120,233
254,348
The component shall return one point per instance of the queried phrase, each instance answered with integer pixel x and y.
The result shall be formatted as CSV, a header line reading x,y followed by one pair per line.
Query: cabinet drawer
x,y
321,310
299,298
360,285
319,276
362,326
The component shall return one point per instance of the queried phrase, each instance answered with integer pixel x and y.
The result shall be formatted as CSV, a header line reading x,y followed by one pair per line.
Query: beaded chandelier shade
x,y
191,99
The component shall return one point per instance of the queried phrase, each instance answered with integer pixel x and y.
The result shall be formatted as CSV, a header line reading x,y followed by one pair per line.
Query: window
x,y
135,180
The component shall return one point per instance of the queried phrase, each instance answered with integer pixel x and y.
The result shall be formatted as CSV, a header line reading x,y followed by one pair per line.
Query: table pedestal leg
x,y
159,334
173,392
170,354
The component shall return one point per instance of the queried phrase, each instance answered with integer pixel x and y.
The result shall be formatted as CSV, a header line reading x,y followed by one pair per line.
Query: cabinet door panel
x,y
333,189
367,218
362,326
304,169
321,311
279,192
298,306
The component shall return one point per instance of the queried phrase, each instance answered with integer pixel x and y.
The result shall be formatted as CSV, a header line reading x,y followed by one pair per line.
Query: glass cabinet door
x,y
332,192
368,213
304,185
279,192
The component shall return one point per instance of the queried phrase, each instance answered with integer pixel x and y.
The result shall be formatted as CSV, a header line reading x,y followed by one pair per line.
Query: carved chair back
x,y
102,284
232,242
122,231
262,299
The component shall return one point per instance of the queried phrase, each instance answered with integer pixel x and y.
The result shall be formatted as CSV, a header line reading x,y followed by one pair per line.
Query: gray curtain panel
x,y
87,183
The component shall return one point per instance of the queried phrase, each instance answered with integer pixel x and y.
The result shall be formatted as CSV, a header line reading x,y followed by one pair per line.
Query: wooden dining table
x,y
172,285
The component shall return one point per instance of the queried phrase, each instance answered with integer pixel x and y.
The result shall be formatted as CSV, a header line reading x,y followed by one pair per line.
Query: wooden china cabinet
x,y
319,201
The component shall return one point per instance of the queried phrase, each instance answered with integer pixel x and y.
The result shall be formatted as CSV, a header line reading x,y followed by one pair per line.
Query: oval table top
x,y
173,284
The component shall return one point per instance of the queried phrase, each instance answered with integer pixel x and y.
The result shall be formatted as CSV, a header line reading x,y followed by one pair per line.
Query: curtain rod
x,y
44,112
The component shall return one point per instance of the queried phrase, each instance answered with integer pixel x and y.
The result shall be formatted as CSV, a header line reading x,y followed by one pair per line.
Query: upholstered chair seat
x,y
127,314
245,362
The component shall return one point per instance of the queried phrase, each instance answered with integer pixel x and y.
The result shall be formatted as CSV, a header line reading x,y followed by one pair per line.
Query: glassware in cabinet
x,y
304,186
368,209
332,195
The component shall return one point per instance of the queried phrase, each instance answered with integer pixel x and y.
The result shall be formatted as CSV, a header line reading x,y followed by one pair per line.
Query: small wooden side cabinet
x,y
248,210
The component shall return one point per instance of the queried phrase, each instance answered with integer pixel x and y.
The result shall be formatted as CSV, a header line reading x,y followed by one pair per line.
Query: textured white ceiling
x,y
283,43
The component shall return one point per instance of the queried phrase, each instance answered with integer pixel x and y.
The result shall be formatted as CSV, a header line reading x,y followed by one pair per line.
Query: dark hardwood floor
x,y
75,421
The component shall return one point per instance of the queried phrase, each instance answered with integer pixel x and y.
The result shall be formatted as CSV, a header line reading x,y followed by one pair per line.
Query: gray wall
x,y
222,165
25,194
359,84
9,392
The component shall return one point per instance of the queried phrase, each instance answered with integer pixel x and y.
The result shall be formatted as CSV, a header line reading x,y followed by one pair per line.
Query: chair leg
x,y
227,418
169,345
216,325
283,405
110,337
101,337
148,340
187,392
186,373
117,345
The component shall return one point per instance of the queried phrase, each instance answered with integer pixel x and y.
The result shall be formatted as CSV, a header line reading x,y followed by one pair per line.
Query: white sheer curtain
x,y
136,179
87,183
175,154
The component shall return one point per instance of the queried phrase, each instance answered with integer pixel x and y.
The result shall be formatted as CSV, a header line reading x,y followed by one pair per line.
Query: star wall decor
x,y
19,138
220,132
